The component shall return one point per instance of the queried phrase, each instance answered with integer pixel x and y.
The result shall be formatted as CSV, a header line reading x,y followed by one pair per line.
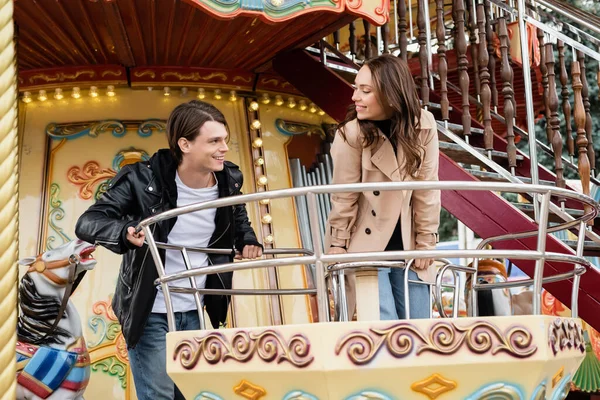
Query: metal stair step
x,y
458,128
494,177
590,249
458,154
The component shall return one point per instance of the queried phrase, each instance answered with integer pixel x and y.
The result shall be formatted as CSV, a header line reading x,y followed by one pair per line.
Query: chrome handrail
x,y
320,260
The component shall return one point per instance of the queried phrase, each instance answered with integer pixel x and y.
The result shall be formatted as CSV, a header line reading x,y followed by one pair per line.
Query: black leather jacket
x,y
137,192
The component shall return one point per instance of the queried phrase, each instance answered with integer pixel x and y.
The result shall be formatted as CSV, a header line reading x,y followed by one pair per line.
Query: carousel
x,y
86,89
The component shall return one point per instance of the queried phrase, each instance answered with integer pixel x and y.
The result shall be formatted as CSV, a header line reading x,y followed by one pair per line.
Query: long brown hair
x,y
395,89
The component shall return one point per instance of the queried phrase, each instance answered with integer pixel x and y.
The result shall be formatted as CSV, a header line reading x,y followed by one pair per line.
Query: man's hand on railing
x,y
250,252
135,238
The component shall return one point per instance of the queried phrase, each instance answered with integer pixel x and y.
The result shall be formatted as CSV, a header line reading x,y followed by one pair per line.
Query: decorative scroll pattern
x,y
148,127
88,177
283,10
55,215
194,76
444,338
369,395
113,367
299,395
291,128
565,334
108,336
94,128
497,391
268,345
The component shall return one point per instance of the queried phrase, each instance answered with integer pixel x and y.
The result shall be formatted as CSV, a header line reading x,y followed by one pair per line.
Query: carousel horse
x,y
499,302
52,359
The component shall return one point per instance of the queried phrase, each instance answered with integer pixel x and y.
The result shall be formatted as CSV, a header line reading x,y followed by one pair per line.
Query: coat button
x,y
150,189
368,231
376,193
373,213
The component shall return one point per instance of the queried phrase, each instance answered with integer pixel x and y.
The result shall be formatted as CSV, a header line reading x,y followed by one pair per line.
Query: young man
x,y
192,170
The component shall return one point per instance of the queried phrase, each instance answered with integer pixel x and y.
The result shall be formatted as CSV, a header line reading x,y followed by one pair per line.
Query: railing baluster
x,y
489,35
566,105
544,72
588,117
402,29
336,39
442,62
368,52
583,162
506,73
553,120
485,92
472,27
385,33
352,40
463,64
423,51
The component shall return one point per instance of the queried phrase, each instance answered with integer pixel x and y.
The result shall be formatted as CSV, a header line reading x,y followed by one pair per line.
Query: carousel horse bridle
x,y
45,268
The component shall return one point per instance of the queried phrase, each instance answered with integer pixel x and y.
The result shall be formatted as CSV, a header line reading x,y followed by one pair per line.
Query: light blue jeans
x,y
391,295
148,359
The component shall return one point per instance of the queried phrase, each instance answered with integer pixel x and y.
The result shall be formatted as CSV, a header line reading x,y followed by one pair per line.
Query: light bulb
x,y
266,219
201,94
264,202
217,95
26,97
291,102
255,125
184,91
110,91
265,98
233,96
259,162
257,143
253,106
167,91
76,93
262,180
58,94
312,108
269,239
93,91
302,105
278,100
321,112
42,95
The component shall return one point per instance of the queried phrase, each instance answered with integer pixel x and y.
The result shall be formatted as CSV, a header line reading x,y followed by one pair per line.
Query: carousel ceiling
x,y
231,34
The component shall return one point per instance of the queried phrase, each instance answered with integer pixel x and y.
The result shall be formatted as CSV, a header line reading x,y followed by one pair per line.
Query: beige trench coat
x,y
365,221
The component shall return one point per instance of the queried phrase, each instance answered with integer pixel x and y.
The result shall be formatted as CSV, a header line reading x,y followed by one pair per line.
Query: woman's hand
x,y
422,263
336,250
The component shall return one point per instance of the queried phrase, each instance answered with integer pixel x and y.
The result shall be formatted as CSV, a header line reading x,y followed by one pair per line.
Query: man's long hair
x,y
186,120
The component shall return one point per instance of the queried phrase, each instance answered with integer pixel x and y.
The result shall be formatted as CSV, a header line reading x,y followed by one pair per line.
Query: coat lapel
x,y
386,161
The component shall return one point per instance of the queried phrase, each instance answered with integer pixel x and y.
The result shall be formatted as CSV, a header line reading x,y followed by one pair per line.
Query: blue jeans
x,y
391,295
148,359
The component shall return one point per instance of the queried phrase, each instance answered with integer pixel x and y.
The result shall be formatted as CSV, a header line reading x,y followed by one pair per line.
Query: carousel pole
x,y
8,203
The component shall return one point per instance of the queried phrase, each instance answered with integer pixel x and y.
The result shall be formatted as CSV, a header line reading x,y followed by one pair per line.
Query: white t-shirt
x,y
192,229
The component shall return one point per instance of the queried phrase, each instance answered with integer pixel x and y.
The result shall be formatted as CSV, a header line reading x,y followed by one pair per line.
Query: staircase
x,y
488,152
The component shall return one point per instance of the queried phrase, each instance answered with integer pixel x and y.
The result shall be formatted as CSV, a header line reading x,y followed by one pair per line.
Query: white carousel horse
x,y
499,302
52,359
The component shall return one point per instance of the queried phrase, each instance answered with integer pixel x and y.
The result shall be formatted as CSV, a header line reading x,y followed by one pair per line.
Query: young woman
x,y
386,137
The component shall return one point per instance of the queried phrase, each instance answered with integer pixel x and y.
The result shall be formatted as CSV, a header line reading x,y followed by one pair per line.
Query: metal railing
x,y
320,260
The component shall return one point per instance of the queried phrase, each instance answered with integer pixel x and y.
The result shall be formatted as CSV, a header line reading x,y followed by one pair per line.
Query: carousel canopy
x,y
99,40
